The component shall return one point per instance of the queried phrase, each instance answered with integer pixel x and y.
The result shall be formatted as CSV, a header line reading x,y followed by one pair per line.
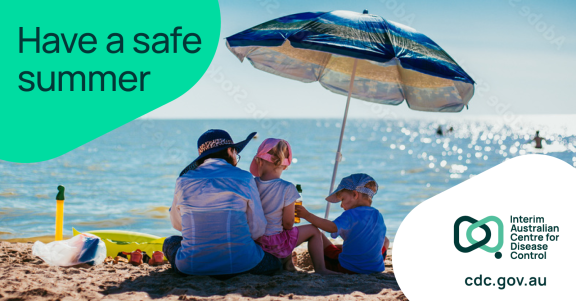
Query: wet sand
x,y
26,277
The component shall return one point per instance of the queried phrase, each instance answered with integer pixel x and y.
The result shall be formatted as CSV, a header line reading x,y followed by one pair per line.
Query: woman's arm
x,y
175,216
288,217
319,222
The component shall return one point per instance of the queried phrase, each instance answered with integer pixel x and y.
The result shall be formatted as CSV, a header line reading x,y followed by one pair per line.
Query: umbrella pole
x,y
338,153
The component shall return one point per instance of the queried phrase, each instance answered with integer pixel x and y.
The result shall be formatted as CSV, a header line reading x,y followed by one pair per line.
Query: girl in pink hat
x,y
278,197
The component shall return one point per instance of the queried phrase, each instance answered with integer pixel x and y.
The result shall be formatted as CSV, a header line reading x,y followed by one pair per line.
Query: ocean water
x,y
125,179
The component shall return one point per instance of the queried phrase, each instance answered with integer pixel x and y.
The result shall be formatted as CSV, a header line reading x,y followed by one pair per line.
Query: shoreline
x,y
45,239
26,277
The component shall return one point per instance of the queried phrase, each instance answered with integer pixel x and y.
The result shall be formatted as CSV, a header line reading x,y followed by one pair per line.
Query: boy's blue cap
x,y
355,182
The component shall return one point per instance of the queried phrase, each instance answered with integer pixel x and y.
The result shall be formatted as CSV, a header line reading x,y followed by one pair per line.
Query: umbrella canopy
x,y
360,55
395,63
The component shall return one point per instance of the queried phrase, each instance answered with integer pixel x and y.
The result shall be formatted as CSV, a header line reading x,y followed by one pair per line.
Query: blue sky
x,y
520,52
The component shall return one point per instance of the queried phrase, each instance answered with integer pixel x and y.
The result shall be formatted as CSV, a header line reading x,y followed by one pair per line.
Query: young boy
x,y
361,227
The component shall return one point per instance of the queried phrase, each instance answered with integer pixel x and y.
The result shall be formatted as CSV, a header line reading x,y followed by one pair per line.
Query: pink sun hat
x,y
262,153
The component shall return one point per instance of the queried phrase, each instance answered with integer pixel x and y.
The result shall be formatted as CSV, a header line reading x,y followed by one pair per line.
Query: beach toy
x,y
135,257
59,213
117,241
118,259
120,235
157,258
138,256
84,248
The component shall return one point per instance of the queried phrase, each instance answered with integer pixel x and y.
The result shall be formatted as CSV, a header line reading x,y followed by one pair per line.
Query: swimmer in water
x,y
538,140
439,131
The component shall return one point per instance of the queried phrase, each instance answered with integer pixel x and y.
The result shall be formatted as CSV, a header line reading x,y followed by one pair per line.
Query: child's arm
x,y
288,217
319,222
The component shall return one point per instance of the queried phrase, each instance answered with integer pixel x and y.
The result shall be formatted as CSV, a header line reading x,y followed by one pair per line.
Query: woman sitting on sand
x,y
218,210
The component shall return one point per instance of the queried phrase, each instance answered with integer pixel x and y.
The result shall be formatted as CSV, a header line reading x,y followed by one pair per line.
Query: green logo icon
x,y
482,243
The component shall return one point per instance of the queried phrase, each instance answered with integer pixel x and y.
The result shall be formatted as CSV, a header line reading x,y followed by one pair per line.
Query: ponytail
x,y
279,153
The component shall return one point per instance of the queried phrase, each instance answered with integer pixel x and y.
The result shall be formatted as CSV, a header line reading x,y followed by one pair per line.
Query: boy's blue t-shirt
x,y
363,231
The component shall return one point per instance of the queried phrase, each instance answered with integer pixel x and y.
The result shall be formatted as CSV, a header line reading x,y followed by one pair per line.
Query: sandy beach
x,y
26,277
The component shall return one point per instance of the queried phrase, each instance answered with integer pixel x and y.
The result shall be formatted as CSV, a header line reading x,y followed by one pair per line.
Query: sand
x,y
26,277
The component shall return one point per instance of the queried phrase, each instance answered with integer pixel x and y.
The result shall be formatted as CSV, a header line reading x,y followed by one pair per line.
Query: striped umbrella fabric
x,y
360,55
393,61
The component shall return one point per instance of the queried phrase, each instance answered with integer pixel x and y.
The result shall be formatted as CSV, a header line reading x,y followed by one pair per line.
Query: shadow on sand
x,y
161,284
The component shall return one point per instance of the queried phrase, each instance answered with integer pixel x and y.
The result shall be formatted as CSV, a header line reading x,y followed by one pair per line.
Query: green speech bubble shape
x,y
37,125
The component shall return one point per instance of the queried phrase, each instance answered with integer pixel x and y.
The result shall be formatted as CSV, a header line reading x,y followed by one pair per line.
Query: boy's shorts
x,y
331,254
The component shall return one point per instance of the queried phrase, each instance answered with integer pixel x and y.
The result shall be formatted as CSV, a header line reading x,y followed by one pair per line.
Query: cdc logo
x,y
482,243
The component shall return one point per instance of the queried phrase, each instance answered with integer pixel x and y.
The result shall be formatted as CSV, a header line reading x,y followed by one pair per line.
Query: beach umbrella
x,y
359,55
